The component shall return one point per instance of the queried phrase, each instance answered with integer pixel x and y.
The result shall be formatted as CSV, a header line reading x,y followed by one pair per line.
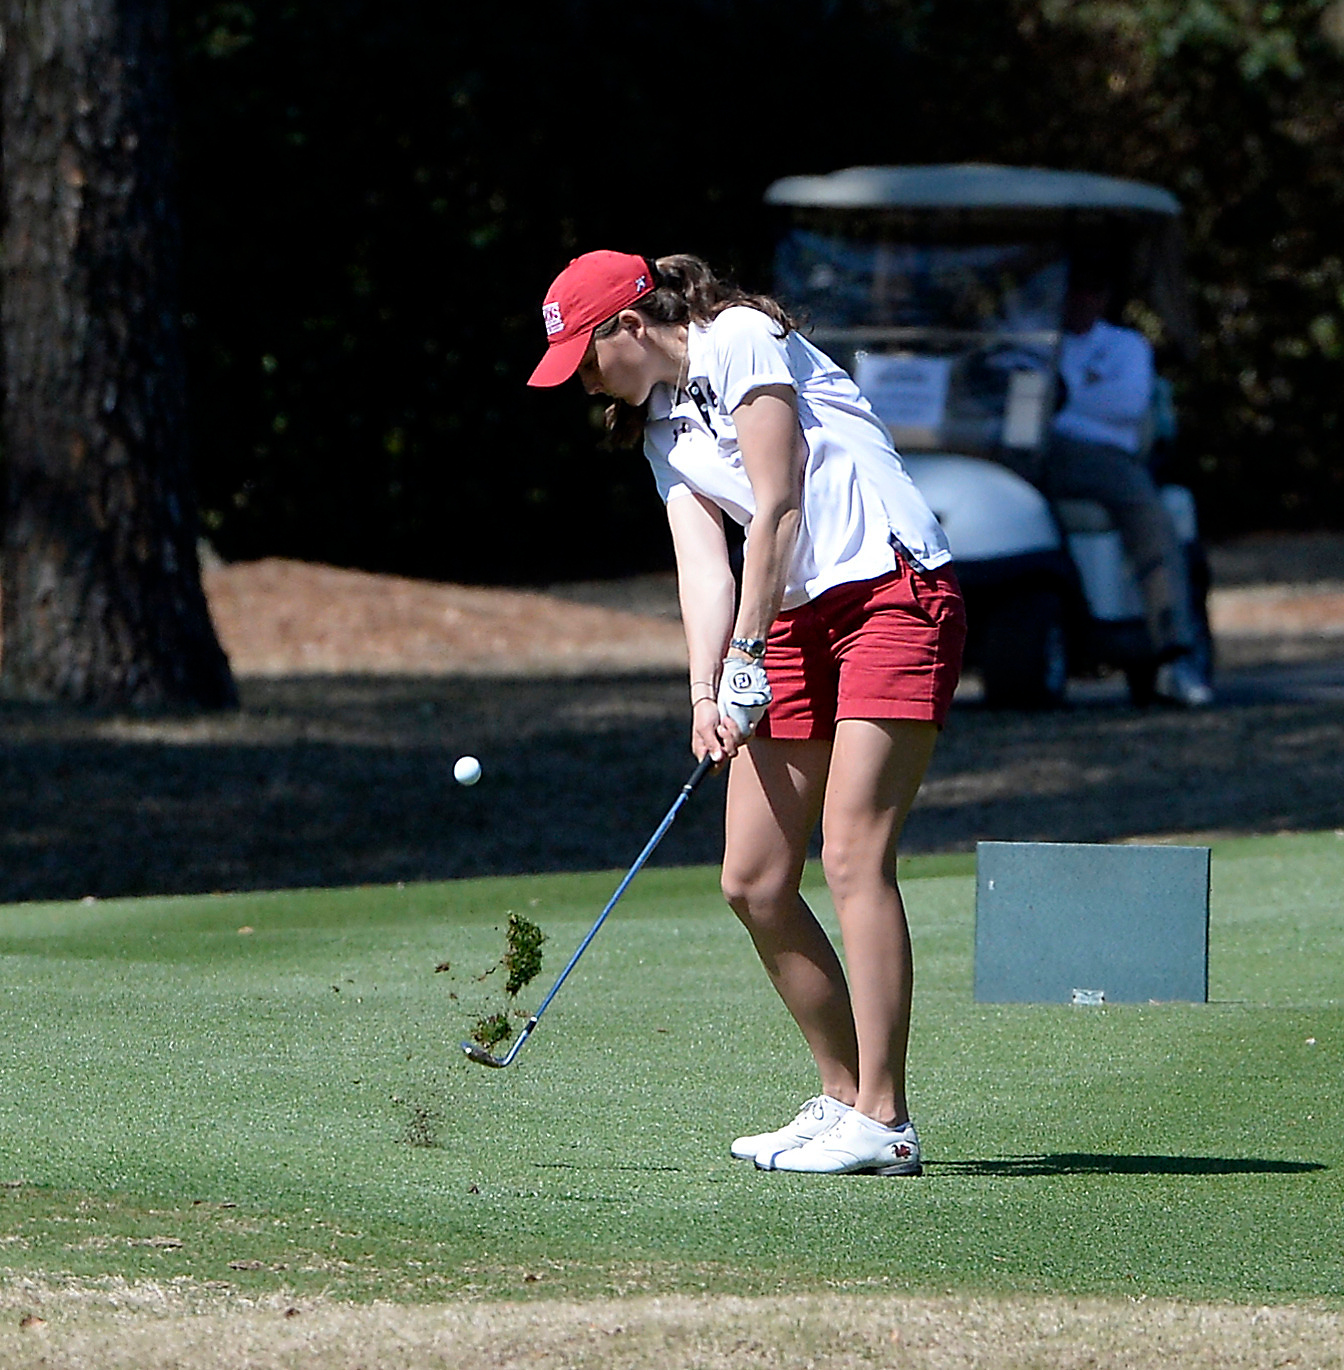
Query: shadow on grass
x,y
1083,1163
348,780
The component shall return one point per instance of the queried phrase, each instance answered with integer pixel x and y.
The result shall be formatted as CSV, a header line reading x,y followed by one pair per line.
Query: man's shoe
x,y
855,1145
1178,682
815,1116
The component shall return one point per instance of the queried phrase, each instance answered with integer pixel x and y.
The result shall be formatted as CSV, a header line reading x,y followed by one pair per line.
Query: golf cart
x,y
941,289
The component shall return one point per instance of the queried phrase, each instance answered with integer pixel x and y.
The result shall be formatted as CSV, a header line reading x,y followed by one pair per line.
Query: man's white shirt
x,y
1108,373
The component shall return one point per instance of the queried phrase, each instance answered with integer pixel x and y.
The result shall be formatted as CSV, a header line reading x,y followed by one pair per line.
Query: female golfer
x,y
838,662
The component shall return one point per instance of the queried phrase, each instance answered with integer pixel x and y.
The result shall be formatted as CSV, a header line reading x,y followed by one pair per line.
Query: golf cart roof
x,y
971,186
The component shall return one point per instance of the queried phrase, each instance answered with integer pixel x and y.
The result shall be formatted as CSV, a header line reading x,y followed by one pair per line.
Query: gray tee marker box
x,y
1087,923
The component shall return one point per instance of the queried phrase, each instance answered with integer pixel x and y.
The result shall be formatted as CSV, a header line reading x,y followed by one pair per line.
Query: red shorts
x,y
884,648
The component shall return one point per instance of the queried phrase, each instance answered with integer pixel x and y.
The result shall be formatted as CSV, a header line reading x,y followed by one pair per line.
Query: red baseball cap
x,y
586,293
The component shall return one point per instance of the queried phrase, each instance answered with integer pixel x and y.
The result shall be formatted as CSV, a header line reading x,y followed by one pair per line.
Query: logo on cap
x,y
550,313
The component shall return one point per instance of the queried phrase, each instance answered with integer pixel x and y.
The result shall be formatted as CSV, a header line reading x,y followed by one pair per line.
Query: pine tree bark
x,y
102,598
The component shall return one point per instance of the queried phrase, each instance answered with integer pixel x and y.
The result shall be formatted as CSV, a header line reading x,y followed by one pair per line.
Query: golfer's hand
x,y
705,739
744,694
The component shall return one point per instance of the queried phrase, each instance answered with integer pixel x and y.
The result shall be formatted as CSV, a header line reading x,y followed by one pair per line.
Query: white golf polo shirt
x,y
1108,382
859,503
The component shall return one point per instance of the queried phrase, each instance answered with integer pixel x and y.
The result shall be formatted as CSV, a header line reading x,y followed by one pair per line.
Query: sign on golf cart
x,y
942,290
908,392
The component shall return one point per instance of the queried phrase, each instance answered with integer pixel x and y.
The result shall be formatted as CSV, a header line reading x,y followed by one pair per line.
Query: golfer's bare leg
x,y
876,770
774,798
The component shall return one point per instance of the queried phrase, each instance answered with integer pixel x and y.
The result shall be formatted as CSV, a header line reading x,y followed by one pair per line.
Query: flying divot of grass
x,y
522,959
521,963
491,1030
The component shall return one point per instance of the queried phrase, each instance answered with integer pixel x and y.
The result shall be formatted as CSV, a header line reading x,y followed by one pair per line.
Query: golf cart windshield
x,y
941,288
953,344
846,283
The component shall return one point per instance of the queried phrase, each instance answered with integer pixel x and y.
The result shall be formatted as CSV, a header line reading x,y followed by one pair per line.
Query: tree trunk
x,y
102,598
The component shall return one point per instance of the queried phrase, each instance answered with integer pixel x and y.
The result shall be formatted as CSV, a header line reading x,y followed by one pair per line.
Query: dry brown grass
x,y
153,1327
284,618
288,618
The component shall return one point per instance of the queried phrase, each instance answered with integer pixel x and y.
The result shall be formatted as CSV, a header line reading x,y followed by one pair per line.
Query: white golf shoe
x,y
853,1145
815,1116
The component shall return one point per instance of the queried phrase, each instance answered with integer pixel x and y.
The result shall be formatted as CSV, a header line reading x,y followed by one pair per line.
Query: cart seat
x,y
1082,516
1087,516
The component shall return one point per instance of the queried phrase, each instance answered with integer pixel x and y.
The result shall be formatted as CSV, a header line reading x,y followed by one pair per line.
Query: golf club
x,y
478,1053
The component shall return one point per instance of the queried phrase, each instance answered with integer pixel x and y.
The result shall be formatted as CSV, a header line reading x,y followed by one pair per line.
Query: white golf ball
x,y
467,771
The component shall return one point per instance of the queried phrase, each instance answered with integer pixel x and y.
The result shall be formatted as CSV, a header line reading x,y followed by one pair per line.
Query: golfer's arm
x,y
773,451
704,586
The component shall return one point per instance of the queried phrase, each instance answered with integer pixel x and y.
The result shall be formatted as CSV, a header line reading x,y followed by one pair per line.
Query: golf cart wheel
x,y
1024,657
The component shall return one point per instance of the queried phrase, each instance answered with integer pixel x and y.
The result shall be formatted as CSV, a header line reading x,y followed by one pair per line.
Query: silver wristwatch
x,y
754,647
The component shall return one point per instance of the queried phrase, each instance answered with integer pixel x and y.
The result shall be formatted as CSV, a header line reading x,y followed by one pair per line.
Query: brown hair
x,y
685,291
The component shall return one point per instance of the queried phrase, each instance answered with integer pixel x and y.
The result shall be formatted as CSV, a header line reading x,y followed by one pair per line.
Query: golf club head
x,y
481,1056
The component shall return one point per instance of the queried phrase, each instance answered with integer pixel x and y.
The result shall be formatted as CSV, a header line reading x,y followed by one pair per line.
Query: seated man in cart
x,y
1095,451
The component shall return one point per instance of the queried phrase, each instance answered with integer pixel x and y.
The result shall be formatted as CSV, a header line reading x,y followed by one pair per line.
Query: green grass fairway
x,y
287,1108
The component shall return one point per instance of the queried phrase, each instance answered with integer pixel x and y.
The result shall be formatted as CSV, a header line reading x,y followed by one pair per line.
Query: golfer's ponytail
x,y
686,291
689,292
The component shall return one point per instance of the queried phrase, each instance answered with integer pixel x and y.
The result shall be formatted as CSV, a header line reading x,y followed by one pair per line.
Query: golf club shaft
x,y
687,790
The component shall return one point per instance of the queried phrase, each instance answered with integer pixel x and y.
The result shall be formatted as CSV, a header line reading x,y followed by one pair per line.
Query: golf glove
x,y
744,693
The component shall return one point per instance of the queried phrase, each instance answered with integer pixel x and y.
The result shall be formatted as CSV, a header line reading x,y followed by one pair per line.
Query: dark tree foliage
x,y
1239,109
376,203
378,194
